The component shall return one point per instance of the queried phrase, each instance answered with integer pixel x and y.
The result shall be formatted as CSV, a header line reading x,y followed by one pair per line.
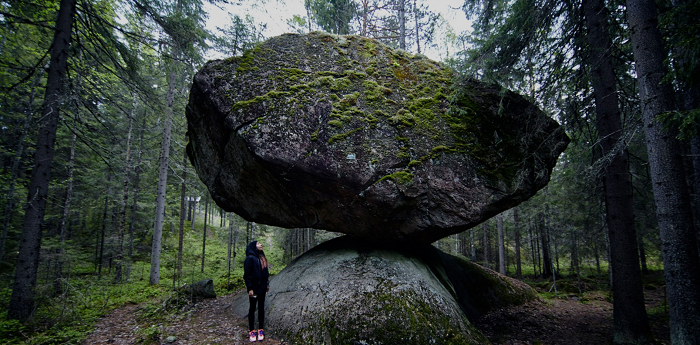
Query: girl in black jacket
x,y
257,283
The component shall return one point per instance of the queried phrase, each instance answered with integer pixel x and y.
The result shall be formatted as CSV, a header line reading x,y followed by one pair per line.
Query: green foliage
x,y
239,35
333,16
149,335
687,123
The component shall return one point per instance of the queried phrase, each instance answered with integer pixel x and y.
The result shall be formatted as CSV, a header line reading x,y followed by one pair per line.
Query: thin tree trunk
x,y
642,252
125,201
134,204
546,258
402,24
518,263
235,242
229,250
204,233
64,217
501,246
154,277
103,233
472,244
183,205
415,15
22,299
486,244
193,203
532,248
14,171
679,243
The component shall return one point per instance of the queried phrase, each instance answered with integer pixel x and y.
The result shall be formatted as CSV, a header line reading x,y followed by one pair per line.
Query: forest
x,y
102,208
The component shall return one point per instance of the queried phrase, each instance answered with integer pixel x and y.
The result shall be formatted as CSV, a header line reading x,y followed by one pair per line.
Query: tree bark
x,y
630,323
64,218
14,171
546,257
402,24
103,232
417,28
162,184
121,223
134,204
183,206
679,245
501,246
229,263
204,232
486,244
518,262
22,299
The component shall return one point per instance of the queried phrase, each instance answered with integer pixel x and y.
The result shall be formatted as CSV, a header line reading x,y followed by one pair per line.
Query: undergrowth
x,y
66,313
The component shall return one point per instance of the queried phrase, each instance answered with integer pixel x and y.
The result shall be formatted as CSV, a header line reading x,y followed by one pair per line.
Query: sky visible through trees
x,y
275,16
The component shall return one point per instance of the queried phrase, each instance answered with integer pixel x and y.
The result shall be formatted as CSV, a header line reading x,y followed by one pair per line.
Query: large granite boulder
x,y
345,134
350,291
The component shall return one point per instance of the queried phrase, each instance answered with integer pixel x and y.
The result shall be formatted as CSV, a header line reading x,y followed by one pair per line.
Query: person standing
x,y
256,276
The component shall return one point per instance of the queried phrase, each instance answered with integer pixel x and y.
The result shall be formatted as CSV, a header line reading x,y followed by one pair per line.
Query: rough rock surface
x,y
348,291
345,134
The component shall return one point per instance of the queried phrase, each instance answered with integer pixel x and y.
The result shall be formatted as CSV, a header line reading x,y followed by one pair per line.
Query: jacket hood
x,y
252,249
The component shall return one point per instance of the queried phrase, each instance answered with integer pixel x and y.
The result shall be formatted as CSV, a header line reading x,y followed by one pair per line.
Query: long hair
x,y
263,258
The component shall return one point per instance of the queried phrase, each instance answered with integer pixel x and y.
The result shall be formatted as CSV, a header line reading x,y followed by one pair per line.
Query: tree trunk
x,y
22,300
193,203
501,246
532,248
679,245
125,201
546,258
629,315
402,23
64,218
183,206
417,28
204,232
486,244
642,252
162,184
14,171
518,262
229,264
472,245
134,204
103,232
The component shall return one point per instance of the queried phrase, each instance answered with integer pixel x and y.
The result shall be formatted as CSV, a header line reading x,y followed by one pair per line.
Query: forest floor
x,y
566,319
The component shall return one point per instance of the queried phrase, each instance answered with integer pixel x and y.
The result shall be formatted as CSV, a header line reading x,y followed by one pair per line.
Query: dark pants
x,y
260,302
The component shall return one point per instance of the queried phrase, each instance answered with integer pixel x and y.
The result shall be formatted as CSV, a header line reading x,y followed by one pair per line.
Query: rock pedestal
x,y
349,292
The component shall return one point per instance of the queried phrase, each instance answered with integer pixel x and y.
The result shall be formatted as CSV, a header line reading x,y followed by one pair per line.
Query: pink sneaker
x,y
261,336
253,336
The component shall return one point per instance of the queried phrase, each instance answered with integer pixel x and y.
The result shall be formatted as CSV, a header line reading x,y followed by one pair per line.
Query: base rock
x,y
349,292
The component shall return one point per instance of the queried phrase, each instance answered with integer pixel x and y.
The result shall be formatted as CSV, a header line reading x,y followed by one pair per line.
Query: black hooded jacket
x,y
256,278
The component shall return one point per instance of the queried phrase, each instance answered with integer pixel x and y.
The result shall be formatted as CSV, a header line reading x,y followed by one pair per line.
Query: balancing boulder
x,y
345,134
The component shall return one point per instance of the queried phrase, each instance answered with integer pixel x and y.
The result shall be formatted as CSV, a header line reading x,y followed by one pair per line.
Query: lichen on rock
x,y
271,133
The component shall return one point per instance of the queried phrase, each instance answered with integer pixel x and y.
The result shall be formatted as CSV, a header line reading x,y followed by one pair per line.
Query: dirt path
x,y
564,320
209,322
